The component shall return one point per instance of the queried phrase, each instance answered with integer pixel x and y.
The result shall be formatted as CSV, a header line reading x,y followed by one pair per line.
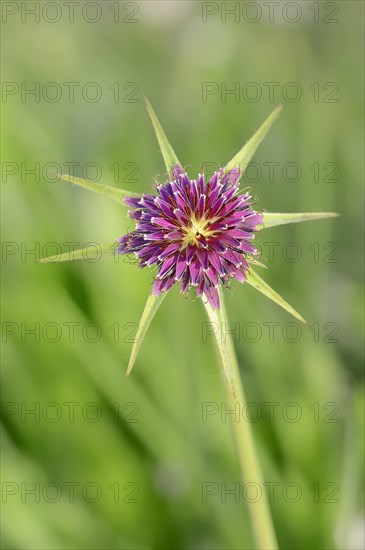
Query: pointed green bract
x,y
152,305
217,317
256,262
244,156
117,195
169,155
271,219
88,252
254,280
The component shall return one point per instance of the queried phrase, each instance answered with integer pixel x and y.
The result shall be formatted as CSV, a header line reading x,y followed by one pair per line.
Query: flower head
x,y
196,232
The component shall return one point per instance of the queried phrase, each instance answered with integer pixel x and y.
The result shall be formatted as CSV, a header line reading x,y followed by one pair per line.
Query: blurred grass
x,y
169,452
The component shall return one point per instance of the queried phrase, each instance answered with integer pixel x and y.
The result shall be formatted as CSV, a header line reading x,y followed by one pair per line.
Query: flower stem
x,y
260,516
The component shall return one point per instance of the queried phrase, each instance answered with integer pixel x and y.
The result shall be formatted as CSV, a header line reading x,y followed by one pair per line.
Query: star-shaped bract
x,y
199,233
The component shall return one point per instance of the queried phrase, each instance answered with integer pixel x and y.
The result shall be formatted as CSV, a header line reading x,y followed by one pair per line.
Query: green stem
x,y
260,516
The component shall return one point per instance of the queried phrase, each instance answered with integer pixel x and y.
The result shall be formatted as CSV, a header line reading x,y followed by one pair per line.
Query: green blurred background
x,y
109,462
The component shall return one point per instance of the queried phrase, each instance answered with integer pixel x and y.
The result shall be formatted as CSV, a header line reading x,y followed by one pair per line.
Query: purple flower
x,y
197,233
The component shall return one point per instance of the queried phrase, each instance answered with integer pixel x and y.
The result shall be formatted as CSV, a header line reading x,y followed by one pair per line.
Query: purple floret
x,y
197,233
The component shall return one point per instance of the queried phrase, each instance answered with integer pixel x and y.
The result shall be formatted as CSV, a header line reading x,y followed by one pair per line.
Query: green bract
x,y
241,160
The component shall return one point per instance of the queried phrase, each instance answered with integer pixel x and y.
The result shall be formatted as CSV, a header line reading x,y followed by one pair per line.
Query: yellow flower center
x,y
197,229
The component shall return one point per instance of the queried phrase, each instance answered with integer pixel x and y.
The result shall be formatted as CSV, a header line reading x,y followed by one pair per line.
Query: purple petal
x,y
239,234
166,267
181,266
254,219
203,258
215,261
162,222
177,171
170,249
232,176
196,272
213,297
134,202
164,206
